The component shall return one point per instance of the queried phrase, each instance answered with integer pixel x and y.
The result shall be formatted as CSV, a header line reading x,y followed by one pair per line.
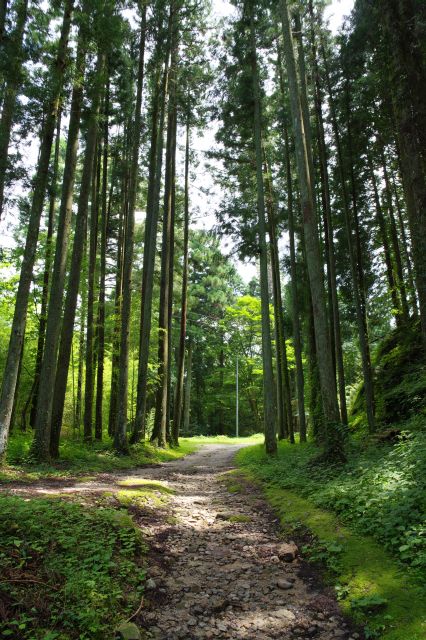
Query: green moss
x,y
239,518
399,380
373,588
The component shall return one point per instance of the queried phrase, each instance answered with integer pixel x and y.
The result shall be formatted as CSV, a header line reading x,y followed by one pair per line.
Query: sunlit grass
x,y
372,587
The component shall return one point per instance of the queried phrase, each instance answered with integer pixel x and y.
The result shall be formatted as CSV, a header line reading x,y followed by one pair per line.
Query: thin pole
x,y
236,408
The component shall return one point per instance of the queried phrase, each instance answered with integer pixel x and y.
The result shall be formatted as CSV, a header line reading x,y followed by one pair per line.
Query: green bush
x,y
68,571
380,491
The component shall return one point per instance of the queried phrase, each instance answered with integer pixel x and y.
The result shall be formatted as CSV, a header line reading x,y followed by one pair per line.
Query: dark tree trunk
x,y
39,192
120,435
177,418
80,232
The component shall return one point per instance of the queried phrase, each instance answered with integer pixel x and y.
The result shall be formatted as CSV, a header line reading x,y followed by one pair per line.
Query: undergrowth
x,y
78,458
358,516
69,571
380,491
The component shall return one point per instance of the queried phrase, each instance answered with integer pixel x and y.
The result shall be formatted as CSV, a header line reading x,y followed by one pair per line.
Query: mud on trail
x,y
215,560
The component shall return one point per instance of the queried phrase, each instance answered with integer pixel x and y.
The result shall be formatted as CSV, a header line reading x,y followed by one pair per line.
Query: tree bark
x,y
177,418
101,301
46,279
54,312
40,182
150,242
313,255
357,286
13,82
120,435
166,277
268,378
80,232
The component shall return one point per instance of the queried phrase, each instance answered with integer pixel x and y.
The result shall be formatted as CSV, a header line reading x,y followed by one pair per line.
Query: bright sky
x,y
205,216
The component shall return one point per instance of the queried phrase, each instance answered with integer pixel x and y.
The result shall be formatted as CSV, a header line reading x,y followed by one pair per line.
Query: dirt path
x,y
214,569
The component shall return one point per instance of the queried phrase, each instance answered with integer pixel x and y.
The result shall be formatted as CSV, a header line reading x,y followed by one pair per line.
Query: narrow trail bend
x,y
213,562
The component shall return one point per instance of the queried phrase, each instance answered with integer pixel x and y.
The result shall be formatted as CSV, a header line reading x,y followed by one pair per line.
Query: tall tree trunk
x,y
112,418
405,248
328,227
408,102
297,340
395,241
40,182
187,392
285,413
268,378
120,435
13,82
91,329
81,342
54,312
385,243
166,281
357,286
150,242
101,302
177,418
313,254
80,232
46,279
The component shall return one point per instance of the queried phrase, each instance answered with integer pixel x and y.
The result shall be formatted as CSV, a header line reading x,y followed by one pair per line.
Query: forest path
x,y
213,562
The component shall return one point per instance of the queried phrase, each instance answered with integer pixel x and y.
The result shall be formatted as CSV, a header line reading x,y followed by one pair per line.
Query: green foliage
x,y
68,571
400,378
77,458
380,491
370,586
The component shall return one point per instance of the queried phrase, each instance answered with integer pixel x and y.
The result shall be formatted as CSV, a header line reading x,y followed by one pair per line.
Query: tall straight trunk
x,y
356,285
285,413
14,79
385,243
46,279
405,249
166,281
101,301
313,254
120,435
112,418
80,232
39,192
328,226
187,390
150,242
81,342
358,270
408,103
297,339
395,240
54,312
91,329
268,378
177,417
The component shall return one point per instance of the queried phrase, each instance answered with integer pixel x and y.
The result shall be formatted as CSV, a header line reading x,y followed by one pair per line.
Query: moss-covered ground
x,y
378,577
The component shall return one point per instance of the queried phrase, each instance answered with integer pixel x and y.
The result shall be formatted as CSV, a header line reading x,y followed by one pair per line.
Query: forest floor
x,y
213,559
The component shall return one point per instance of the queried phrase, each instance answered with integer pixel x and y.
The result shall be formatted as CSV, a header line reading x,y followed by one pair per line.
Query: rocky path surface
x,y
217,572
218,566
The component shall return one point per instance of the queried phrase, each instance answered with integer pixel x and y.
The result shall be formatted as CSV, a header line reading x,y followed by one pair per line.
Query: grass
x,y
78,459
69,570
381,594
199,440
